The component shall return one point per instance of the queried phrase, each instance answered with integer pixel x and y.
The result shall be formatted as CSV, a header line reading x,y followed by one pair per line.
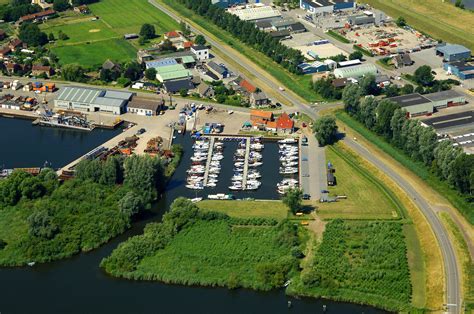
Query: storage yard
x,y
312,46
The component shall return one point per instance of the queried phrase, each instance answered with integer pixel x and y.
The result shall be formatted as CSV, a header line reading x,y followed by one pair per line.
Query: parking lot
x,y
304,42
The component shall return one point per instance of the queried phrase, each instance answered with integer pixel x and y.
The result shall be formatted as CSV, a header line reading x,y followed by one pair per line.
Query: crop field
x,y
128,16
436,18
95,53
371,265
247,209
81,32
367,197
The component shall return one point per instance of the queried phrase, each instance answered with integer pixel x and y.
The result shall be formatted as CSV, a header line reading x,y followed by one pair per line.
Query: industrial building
x,y
172,72
451,52
255,12
288,24
326,6
315,67
356,71
92,100
418,105
144,106
227,3
463,70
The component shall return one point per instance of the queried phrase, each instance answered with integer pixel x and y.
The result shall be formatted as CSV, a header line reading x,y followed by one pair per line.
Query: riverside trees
x,y
42,220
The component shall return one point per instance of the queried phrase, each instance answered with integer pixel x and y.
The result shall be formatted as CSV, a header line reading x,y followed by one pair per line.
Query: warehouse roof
x,y
324,3
443,95
117,95
160,63
410,100
170,72
451,49
283,22
216,67
178,85
356,71
112,102
79,94
144,103
257,11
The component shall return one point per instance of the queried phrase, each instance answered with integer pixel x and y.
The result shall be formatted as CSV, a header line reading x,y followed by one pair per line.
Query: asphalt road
x,y
451,268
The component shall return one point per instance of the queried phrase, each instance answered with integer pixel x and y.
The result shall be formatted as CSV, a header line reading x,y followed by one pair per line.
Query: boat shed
x,y
92,100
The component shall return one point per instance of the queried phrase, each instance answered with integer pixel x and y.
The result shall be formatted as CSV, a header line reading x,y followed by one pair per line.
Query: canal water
x,y
78,285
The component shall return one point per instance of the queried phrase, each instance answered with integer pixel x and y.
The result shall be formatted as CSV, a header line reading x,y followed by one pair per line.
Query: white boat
x,y
194,187
198,158
211,185
213,175
253,176
288,171
31,264
235,188
288,158
289,163
287,141
216,158
196,199
255,164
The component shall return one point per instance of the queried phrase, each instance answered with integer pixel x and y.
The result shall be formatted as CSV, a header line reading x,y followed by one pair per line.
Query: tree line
x,y
418,141
247,32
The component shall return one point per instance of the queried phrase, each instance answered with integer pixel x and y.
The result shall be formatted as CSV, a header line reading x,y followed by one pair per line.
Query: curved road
x,y
453,298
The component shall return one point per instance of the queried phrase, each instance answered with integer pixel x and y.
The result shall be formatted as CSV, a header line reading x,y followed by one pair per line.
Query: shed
x,y
451,52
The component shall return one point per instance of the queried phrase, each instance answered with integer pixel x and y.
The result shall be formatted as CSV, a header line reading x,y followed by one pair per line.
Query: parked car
x,y
306,196
141,131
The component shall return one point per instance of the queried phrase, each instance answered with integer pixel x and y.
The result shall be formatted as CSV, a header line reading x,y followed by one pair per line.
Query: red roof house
x,y
284,123
247,86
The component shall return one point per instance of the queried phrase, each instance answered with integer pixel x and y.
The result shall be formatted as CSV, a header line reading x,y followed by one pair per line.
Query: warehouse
x,y
463,70
144,106
92,100
255,12
418,105
452,53
172,72
315,67
227,3
361,19
455,120
326,6
415,104
356,71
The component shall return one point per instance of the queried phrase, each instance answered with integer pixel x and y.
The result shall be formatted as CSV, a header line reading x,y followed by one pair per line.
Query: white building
x,y
254,12
201,52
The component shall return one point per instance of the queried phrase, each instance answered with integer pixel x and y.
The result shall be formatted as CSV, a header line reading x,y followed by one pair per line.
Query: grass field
x,y
247,209
458,201
265,63
81,32
367,196
95,53
416,264
128,16
438,19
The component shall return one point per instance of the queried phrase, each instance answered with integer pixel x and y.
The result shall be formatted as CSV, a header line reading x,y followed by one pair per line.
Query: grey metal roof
x,y
451,49
410,100
443,95
111,102
216,67
118,95
79,94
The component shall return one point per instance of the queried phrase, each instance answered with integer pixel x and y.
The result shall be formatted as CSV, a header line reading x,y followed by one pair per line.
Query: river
x,y
78,285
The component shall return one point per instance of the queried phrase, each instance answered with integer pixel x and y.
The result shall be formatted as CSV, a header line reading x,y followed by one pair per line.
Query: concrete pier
x,y
209,158
246,163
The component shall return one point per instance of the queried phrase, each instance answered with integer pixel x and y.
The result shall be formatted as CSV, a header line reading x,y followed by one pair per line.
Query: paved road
x,y
449,257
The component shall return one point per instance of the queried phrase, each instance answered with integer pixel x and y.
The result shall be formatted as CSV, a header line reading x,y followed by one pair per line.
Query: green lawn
x,y
442,187
128,16
81,32
247,209
95,53
367,196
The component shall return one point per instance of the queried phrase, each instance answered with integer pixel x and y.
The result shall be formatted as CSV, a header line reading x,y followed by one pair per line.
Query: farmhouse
x,y
40,16
92,100
201,52
37,70
144,106
284,124
258,99
403,60
206,90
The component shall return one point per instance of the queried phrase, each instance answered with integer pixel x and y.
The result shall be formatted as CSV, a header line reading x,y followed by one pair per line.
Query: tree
x,y
62,35
351,97
130,204
293,199
61,5
367,109
185,28
392,90
325,130
407,89
401,22
183,92
41,225
200,40
105,75
423,75
148,31
133,71
32,35
150,74
167,45
338,58
73,72
368,85
462,170
356,55
51,37
385,111
459,4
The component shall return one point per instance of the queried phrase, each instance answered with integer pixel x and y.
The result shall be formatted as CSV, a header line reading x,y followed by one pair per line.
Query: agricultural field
x,y
95,53
441,20
371,266
247,209
128,16
367,196
81,32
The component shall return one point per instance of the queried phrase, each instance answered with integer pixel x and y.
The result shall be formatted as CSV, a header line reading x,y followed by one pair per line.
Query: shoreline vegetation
x,y
200,247
42,220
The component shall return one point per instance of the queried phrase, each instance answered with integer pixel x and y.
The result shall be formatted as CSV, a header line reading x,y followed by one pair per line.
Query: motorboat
x,y
194,186
256,164
289,163
198,158
217,157
235,187
288,158
253,176
211,185
239,163
288,170
196,199
213,175
287,141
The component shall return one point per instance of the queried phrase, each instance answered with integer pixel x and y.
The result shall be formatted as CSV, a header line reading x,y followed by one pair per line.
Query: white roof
x,y
255,11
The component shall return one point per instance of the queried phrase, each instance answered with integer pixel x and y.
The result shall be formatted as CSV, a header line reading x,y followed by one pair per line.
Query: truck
x,y
16,85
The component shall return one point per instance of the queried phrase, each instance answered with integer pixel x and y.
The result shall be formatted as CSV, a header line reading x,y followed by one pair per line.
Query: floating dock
x,y
209,158
246,163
